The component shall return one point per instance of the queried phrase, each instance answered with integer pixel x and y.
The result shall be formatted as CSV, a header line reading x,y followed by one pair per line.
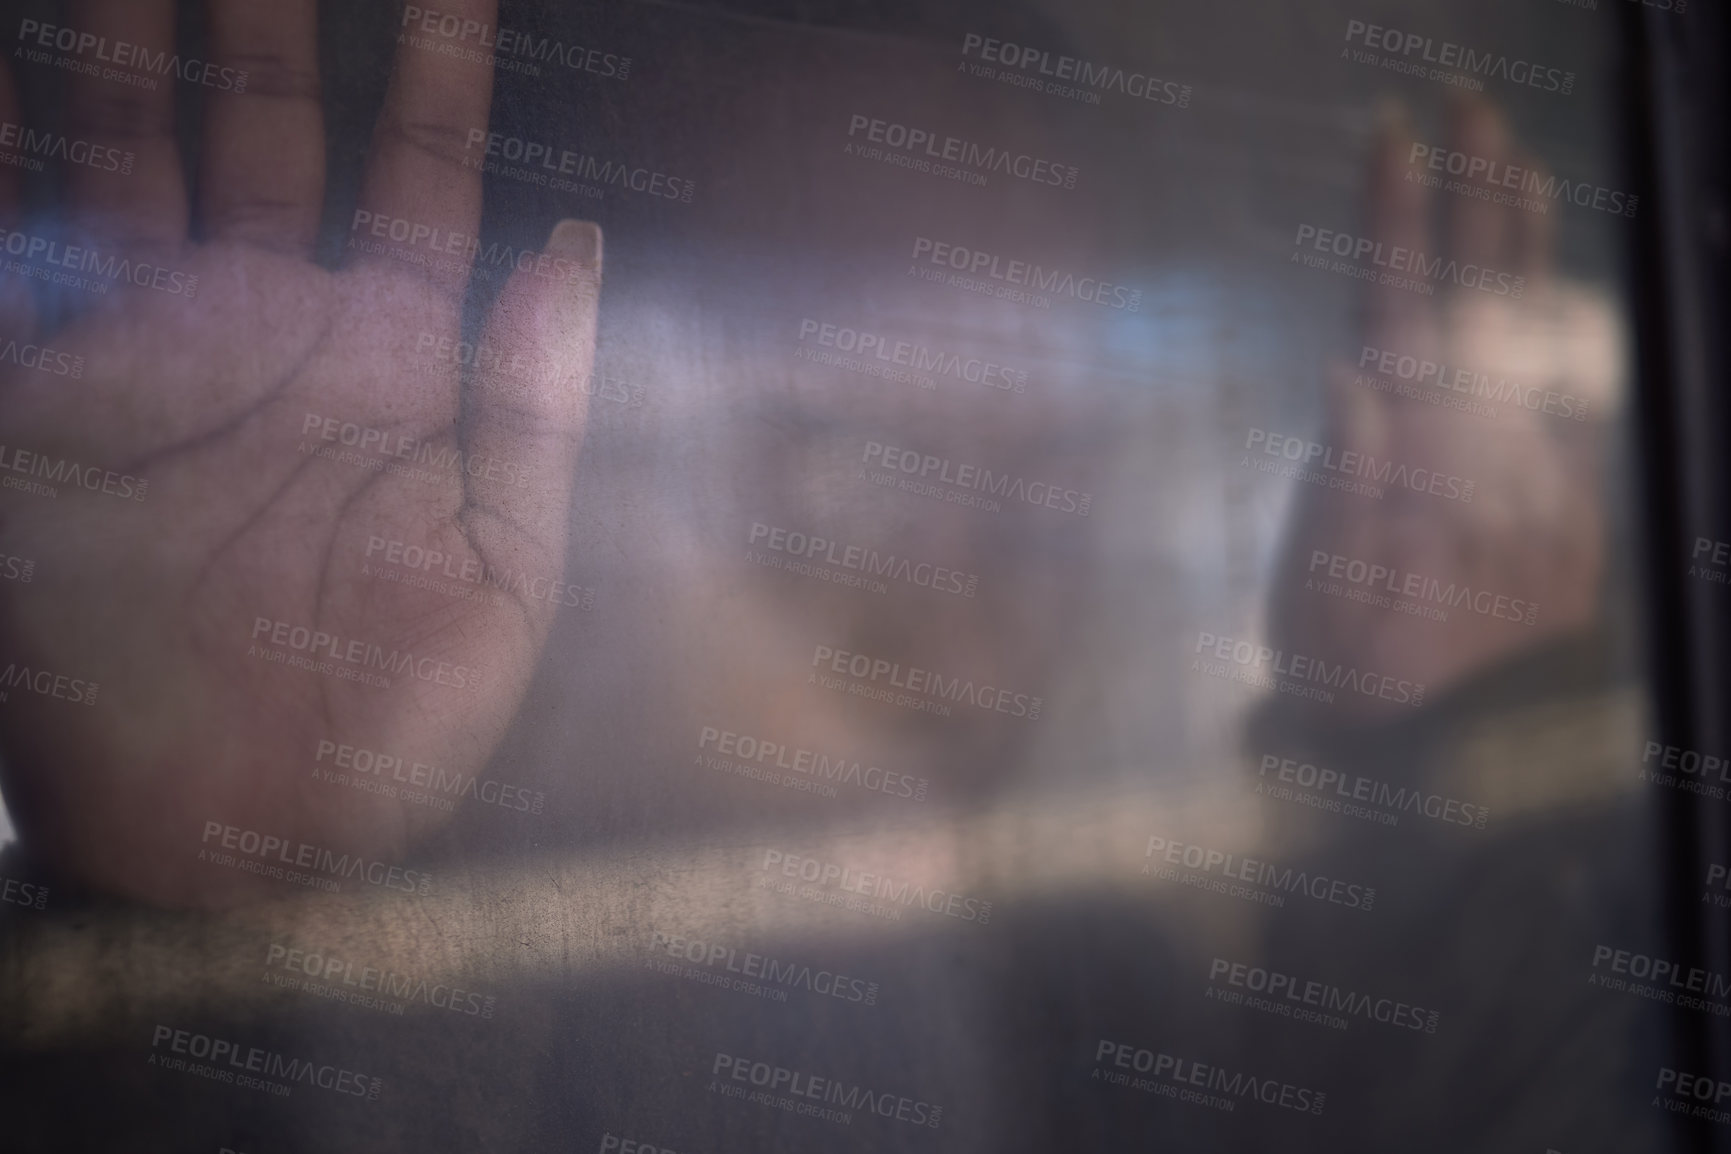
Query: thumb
x,y
525,406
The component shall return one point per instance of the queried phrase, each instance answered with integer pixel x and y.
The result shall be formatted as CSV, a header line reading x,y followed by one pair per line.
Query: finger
x,y
1397,217
1356,416
263,178
148,205
1516,332
17,301
1535,235
425,166
524,411
1479,231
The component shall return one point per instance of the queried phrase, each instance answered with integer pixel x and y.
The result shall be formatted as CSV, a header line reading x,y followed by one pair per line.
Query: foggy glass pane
x,y
770,576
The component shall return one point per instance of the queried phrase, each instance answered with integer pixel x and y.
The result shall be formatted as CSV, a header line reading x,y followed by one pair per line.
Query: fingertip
x,y
1391,134
579,241
1390,117
1478,126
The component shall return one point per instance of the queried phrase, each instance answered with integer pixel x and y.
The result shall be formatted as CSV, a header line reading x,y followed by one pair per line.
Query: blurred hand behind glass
x,y
1533,530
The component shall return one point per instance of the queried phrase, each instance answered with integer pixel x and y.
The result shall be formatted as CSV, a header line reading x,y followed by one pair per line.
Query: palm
x,y
191,607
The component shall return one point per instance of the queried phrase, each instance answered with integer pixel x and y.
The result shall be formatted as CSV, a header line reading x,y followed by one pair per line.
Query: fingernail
x,y
578,240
